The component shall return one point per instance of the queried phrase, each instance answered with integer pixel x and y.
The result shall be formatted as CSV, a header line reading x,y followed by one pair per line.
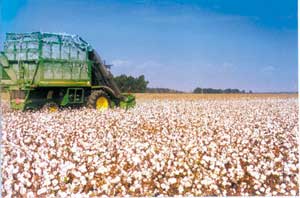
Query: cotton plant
x,y
159,148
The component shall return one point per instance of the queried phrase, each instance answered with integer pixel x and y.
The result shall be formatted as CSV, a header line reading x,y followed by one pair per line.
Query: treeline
x,y
211,90
162,90
139,85
131,84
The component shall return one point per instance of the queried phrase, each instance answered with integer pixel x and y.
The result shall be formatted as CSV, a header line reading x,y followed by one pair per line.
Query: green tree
x,y
211,90
131,84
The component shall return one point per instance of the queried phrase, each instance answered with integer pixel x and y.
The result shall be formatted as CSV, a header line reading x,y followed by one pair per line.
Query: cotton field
x,y
162,147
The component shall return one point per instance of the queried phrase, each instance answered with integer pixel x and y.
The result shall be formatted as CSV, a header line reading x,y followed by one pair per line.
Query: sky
x,y
248,44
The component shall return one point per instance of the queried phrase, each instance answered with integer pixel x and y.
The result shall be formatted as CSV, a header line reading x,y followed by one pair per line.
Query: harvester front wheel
x,y
51,107
99,100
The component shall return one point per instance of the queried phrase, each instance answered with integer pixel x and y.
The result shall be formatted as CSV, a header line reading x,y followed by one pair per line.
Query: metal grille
x,y
17,94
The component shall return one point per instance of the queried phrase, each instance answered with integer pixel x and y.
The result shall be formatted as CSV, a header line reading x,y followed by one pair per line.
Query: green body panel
x,y
37,68
73,96
3,74
38,58
128,102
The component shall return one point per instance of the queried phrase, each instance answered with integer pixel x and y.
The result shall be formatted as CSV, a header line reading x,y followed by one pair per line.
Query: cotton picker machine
x,y
45,70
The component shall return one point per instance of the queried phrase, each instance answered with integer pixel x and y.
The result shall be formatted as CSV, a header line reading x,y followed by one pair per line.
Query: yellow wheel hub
x,y
53,109
102,103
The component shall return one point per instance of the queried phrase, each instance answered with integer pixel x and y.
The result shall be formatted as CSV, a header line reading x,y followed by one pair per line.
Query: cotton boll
x,y
30,195
22,190
262,189
164,186
129,179
180,189
282,191
51,143
82,169
90,159
172,180
293,193
15,170
47,181
187,184
116,180
96,158
28,184
41,191
136,160
54,182
83,180
102,170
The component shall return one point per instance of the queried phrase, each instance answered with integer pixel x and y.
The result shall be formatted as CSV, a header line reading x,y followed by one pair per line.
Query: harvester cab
x,y
56,70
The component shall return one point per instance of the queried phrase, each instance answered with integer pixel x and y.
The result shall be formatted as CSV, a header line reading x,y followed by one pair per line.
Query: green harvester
x,y
47,70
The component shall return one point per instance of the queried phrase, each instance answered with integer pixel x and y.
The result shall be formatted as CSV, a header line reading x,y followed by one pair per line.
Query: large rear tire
x,y
99,100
